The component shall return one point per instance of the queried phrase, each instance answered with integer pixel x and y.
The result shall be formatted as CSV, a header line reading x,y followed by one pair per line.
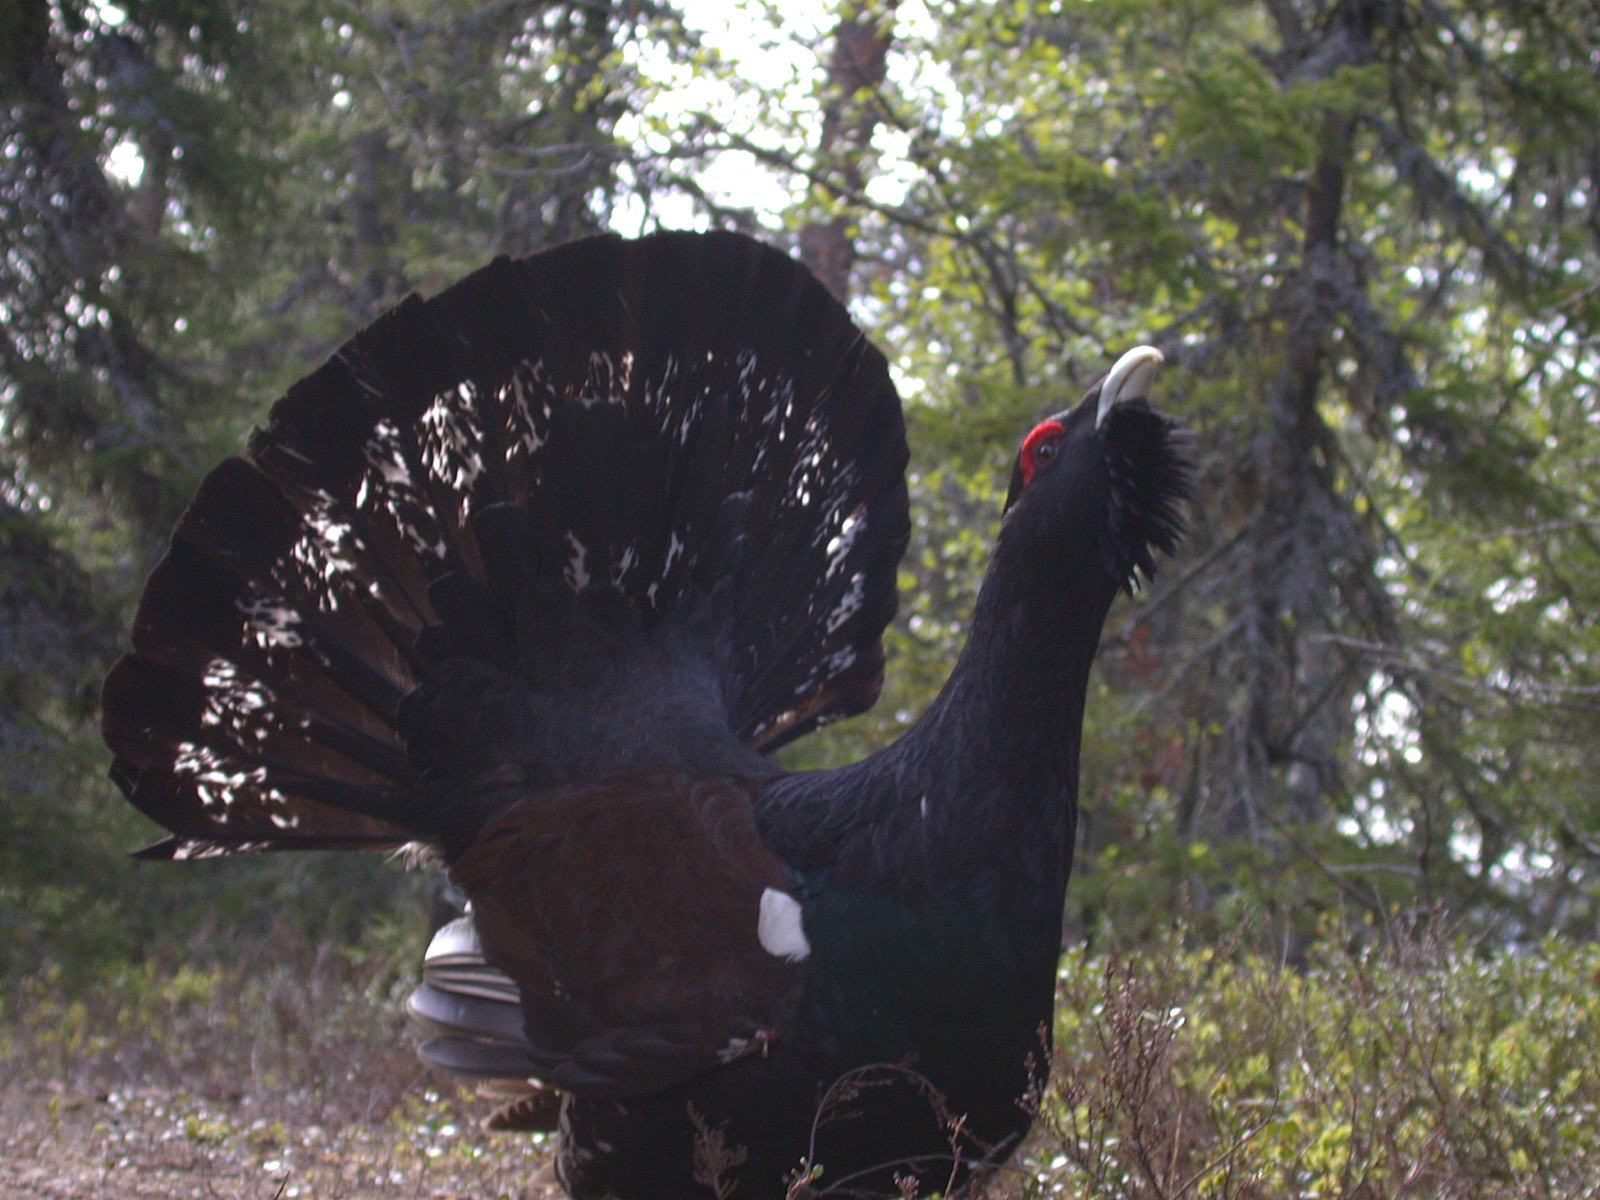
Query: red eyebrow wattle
x,y
1030,446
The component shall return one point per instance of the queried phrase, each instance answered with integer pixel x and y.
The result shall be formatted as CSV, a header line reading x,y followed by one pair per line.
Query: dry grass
x,y
294,1082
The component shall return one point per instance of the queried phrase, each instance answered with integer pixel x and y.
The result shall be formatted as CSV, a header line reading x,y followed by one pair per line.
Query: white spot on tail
x,y
195,850
270,624
577,571
780,928
850,603
624,565
841,543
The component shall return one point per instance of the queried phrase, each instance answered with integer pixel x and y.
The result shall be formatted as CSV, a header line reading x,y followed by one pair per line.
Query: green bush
x,y
1428,1070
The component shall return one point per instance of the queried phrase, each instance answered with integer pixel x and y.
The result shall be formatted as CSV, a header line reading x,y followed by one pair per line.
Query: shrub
x,y
1430,1070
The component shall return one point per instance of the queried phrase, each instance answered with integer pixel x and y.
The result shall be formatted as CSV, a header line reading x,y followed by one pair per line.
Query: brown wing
x,y
626,912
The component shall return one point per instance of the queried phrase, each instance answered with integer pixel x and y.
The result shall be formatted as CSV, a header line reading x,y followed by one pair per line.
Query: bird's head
x,y
1102,484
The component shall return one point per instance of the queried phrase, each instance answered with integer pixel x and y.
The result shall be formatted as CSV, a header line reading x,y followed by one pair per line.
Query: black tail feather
x,y
607,442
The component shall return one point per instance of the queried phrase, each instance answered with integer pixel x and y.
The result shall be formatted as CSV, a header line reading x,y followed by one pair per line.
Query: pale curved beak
x,y
1129,380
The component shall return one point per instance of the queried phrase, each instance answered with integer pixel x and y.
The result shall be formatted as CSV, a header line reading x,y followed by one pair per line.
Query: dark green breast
x,y
959,986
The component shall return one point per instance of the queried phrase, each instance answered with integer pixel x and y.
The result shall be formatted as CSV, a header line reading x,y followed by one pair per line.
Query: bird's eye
x,y
1039,448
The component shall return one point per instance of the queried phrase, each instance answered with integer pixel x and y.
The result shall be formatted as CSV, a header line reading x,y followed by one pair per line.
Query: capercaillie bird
x,y
539,573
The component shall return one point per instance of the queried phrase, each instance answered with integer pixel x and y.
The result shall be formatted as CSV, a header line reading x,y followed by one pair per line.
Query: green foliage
x,y
1430,1069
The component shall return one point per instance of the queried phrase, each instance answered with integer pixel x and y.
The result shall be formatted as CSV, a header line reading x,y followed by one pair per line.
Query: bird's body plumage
x,y
539,572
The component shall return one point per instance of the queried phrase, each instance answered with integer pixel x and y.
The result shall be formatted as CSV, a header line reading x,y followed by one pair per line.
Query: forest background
x,y
1361,706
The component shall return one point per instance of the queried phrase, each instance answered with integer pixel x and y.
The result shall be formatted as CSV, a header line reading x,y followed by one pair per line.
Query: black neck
x,y
1005,731
990,771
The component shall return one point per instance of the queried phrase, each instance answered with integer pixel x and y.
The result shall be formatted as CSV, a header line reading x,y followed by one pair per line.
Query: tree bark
x,y
851,114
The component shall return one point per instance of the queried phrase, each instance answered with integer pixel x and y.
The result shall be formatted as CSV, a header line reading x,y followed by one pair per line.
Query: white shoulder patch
x,y
779,928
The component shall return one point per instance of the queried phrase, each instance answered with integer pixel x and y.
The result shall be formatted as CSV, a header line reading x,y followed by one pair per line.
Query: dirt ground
x,y
57,1144
262,1093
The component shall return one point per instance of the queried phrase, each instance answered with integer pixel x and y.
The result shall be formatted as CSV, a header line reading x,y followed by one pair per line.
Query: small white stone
x,y
780,928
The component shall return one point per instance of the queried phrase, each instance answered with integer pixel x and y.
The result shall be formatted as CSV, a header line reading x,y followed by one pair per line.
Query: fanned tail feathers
x,y
675,456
